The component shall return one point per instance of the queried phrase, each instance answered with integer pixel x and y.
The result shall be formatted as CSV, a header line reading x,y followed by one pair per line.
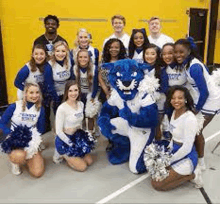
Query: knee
x,y
17,156
82,167
157,185
37,173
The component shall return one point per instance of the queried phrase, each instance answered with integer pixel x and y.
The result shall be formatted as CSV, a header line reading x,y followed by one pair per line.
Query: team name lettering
x,y
174,76
63,74
27,117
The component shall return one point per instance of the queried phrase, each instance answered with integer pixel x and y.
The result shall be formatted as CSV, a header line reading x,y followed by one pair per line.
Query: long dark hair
x,y
132,46
70,83
158,64
32,62
189,101
189,45
106,54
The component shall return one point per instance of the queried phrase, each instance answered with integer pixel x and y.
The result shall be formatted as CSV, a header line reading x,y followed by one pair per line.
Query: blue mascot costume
x,y
129,117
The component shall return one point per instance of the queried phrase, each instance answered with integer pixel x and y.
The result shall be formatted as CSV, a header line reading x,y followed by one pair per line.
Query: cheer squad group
x,y
76,85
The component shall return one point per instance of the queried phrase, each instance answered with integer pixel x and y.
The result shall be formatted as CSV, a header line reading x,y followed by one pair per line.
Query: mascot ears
x,y
144,66
108,66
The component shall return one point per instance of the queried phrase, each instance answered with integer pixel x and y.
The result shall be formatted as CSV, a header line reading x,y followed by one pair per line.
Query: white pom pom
x,y
148,84
215,77
92,108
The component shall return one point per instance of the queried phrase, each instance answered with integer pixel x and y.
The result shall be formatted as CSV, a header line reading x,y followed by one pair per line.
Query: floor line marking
x,y
212,136
123,189
205,195
135,182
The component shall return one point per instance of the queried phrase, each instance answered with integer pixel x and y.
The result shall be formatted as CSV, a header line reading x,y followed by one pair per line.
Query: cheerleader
x,y
151,56
183,126
137,44
24,135
33,70
176,75
58,70
83,41
72,143
113,50
87,76
205,94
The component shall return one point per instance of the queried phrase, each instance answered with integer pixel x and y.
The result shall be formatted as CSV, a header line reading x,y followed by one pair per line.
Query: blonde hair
x,y
38,104
67,58
82,30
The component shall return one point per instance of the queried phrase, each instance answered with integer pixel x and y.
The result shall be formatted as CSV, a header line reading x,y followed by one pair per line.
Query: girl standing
x,y
113,50
58,70
33,71
83,41
72,143
205,94
87,76
137,44
24,135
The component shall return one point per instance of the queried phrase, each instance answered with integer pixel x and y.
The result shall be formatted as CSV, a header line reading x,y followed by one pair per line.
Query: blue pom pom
x,y
83,143
18,139
192,44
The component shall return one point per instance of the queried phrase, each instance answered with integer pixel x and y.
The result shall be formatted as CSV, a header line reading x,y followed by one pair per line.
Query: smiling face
x,y
139,39
181,53
178,100
83,39
118,25
168,54
60,53
154,26
51,26
39,55
114,49
83,58
73,93
150,56
32,94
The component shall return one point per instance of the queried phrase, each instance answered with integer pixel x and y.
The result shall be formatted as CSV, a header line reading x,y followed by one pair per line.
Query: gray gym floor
x,y
106,183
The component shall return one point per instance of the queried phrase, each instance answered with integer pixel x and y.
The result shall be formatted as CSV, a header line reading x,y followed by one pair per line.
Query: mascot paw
x,y
106,127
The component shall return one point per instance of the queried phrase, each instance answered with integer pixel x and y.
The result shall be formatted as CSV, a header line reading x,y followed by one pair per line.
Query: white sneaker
x,y
202,166
15,169
198,181
57,159
42,146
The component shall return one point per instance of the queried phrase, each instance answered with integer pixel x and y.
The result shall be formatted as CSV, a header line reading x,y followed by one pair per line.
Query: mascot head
x,y
125,76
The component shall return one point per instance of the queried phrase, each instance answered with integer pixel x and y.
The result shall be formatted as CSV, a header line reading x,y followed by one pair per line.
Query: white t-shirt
x,y
125,38
162,40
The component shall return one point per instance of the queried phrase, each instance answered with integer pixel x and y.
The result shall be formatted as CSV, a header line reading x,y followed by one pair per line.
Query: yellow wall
x,y
217,42
21,25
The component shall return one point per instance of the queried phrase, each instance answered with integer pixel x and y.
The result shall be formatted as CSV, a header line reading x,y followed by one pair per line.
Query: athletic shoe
x,y
15,169
198,181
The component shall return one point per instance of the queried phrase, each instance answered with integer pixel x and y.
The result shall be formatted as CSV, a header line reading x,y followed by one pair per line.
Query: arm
x,y
196,73
59,121
107,112
41,121
103,85
72,76
189,133
146,118
164,81
96,56
21,77
49,82
95,82
6,117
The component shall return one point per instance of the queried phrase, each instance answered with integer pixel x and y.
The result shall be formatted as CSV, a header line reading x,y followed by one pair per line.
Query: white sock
x,y
201,161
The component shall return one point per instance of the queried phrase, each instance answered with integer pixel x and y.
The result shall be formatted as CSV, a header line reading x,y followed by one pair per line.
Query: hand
x,y
106,126
92,100
125,113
